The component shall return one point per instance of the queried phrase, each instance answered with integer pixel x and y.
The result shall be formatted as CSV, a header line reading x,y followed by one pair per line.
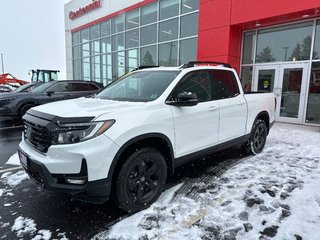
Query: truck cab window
x,y
196,82
224,84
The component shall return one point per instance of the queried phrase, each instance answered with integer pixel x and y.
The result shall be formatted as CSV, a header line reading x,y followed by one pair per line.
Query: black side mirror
x,y
49,93
185,99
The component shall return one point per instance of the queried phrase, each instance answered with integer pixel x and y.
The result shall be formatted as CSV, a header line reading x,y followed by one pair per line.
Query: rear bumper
x,y
97,191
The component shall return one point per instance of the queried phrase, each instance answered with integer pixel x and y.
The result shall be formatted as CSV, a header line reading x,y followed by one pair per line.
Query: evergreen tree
x,y
148,60
296,53
265,55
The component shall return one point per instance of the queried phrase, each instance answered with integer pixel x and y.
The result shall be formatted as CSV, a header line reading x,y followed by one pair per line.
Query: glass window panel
x,y
246,78
106,68
118,65
85,50
117,24
189,25
95,47
76,52
95,67
169,8
291,91
86,69
77,69
248,47
105,29
316,51
132,19
132,38
84,35
94,32
132,59
168,54
188,50
148,56
118,42
149,14
76,38
287,43
313,107
149,34
266,79
168,30
106,45
189,6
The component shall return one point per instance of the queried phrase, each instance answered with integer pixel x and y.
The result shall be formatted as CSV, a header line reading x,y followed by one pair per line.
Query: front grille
x,y
38,136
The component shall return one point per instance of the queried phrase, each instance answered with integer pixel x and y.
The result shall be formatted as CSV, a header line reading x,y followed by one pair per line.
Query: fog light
x,y
75,181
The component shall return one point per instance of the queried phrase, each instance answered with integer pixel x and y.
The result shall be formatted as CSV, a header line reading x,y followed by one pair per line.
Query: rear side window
x,y
82,87
196,82
224,84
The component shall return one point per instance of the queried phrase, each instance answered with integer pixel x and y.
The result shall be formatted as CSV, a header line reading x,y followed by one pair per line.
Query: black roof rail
x,y
144,67
193,63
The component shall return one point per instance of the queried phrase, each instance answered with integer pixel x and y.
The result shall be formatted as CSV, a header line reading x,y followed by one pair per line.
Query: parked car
x,y
15,105
5,89
127,139
26,87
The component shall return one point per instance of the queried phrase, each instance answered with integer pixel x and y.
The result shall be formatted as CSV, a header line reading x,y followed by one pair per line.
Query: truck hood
x,y
86,107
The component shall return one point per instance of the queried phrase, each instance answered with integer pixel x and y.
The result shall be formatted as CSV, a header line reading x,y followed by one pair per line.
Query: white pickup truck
x,y
124,141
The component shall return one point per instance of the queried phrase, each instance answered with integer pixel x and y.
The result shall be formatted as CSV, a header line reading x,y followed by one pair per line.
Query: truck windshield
x,y
141,86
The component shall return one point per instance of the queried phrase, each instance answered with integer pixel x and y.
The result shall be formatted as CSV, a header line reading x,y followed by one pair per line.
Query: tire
x,y
258,138
141,180
24,109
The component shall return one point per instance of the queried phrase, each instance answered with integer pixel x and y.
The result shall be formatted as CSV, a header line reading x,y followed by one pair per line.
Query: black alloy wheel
x,y
24,109
258,137
141,180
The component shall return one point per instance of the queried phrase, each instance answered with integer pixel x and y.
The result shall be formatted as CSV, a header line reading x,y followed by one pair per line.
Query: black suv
x,y
15,105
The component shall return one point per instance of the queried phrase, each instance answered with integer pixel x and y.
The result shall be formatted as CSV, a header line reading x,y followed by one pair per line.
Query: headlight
x,y
79,132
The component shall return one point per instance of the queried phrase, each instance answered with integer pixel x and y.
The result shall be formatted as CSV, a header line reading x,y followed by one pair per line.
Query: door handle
x,y
240,102
212,108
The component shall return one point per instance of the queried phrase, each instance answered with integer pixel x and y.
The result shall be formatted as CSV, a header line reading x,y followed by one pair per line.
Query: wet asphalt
x,y
64,216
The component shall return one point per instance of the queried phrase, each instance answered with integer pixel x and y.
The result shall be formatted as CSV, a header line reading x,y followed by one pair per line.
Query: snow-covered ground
x,y
274,195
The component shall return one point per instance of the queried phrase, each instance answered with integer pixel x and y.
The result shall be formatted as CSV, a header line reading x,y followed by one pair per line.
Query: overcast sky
x,y
32,36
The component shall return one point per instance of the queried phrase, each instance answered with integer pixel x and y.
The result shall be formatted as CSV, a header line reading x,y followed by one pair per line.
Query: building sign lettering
x,y
84,10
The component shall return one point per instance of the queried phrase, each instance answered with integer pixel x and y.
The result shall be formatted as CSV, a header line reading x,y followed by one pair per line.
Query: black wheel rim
x,y
259,138
143,180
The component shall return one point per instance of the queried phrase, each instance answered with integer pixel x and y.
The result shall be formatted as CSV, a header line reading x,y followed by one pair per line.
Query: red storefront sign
x,y
84,10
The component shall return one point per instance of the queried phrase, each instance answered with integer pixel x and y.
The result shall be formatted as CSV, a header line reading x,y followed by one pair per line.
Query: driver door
x,y
196,127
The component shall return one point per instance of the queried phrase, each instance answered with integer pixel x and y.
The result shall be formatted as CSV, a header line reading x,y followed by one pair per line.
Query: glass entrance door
x,y
289,83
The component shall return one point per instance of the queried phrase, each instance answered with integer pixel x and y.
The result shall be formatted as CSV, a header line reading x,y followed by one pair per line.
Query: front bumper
x,y
96,191
87,162
6,114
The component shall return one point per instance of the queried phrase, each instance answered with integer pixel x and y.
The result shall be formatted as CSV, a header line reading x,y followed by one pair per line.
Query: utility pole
x,y
2,63
285,53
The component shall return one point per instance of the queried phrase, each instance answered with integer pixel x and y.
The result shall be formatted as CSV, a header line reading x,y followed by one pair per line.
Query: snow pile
x,y
14,179
23,226
26,227
274,194
43,235
14,160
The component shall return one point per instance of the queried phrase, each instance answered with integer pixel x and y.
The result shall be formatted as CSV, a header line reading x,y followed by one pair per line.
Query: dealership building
x,y
274,45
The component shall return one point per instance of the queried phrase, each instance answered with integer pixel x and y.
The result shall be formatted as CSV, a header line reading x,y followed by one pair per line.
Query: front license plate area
x,y
23,159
